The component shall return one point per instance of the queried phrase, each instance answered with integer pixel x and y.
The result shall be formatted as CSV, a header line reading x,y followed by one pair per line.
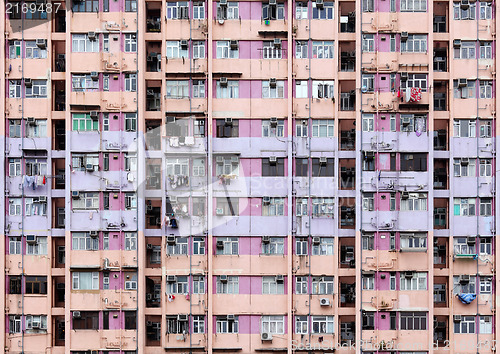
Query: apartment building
x,y
249,176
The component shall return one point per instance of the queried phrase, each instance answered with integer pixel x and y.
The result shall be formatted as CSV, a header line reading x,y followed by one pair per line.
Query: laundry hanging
x,y
466,298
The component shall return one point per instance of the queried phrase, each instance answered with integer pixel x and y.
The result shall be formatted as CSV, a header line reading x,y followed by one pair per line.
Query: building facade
x,y
249,176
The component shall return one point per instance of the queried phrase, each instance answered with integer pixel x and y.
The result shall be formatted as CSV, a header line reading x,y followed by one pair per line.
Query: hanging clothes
x,y
415,94
466,298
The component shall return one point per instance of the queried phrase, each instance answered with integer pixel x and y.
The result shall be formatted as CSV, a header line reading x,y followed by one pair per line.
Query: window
x,y
130,5
301,285
227,246
413,242
414,162
199,51
414,202
268,91
174,50
322,285
130,241
36,322
415,43
228,286
301,91
199,124
180,286
464,206
227,167
36,285
322,324
464,128
466,326
392,202
223,325
199,14
227,206
198,284
466,13
485,206
485,245
32,206
276,245
485,11
464,91
368,122
273,12
14,167
15,324
15,206
130,161
367,83
198,245
484,128
485,285
177,10
464,167
301,10
273,130
79,162
131,119
323,128
198,324
460,287
85,280
368,320
301,169
232,90
38,89
301,246
86,6
466,50
224,50
324,248
130,320
270,51
439,293
130,82
322,50
83,123
323,89
273,324
14,245
367,5
84,83
323,207
368,44
325,13
38,248
35,52
87,320
392,44
14,128
86,201
180,247
82,241
413,321
485,50
273,168
177,88
485,324
229,12
270,286
416,80
15,88
368,202
81,44
174,326
485,89
417,281
15,49
367,242
461,246
368,282
301,51
301,325
198,167
413,5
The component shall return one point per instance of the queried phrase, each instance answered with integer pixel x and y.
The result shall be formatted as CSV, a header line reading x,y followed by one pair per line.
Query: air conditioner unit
x,y
316,241
223,278
462,82
89,167
150,93
75,194
404,76
149,207
464,279
457,43
77,314
471,241
228,121
408,275
41,43
149,323
219,159
182,318
94,75
92,36
322,161
404,36
266,337
405,195
223,2
369,155
230,317
457,318
266,200
464,161
464,4
273,122
272,82
235,160
272,2
223,81
277,43
42,198
272,160
219,211
219,245
234,45
30,120
171,278
35,325
28,82
324,301
405,121
266,239
171,240
94,115
172,199
280,278
319,4
149,246
93,233
184,44
30,238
